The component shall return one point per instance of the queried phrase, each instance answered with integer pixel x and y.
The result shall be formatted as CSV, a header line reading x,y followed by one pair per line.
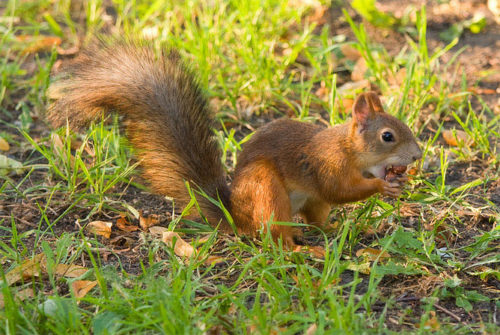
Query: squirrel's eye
x,y
387,136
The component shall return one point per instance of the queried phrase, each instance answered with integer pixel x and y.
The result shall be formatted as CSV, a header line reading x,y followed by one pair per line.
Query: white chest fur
x,y
297,200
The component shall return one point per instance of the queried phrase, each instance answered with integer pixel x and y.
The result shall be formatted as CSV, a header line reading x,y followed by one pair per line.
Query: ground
x,y
428,262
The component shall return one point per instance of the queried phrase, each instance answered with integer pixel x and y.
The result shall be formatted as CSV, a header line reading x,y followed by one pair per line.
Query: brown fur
x,y
287,167
325,166
166,115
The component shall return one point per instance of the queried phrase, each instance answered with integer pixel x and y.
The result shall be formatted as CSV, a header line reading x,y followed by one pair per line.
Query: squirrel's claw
x,y
392,189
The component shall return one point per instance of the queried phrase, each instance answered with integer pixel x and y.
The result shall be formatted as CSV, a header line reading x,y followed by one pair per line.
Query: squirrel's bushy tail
x,y
165,113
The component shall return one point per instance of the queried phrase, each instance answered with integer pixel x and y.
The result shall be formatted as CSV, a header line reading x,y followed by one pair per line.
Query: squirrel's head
x,y
382,141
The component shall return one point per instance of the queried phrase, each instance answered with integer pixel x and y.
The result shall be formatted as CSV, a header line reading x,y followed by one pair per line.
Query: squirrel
x,y
286,168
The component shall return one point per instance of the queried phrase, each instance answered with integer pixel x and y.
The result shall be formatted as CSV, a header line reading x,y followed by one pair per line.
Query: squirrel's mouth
x,y
392,171
386,172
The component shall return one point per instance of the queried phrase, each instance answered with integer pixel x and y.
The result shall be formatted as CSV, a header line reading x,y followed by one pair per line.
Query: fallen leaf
x,y
347,104
70,270
432,323
318,14
150,33
204,239
454,137
21,295
397,79
123,224
372,253
353,86
494,7
82,287
485,273
69,51
212,260
157,230
363,268
312,329
123,242
28,269
359,70
8,165
323,92
496,109
147,222
181,247
316,251
484,91
350,52
100,228
45,43
410,209
412,171
4,145
24,294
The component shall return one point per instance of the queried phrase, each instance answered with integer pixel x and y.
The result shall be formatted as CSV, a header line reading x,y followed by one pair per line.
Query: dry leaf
x,y
123,224
181,247
432,323
38,265
4,145
323,92
397,79
359,70
150,33
372,253
496,109
21,295
42,44
353,86
454,137
149,221
204,239
28,269
82,287
316,251
70,270
69,51
123,242
212,260
9,165
346,105
312,329
494,7
350,52
157,230
363,268
483,91
412,171
100,228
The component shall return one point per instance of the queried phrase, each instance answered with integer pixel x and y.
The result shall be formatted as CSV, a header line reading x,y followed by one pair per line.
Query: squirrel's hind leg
x,y
315,212
259,195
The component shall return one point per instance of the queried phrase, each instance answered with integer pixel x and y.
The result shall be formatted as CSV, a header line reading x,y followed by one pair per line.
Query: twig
x,y
450,313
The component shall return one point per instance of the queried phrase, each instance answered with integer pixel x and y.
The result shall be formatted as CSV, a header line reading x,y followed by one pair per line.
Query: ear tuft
x,y
374,101
365,107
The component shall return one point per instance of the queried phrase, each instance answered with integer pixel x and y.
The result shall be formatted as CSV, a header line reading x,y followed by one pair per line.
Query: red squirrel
x,y
287,167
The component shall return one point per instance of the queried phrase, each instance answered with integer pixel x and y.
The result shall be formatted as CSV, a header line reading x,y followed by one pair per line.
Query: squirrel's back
x,y
167,117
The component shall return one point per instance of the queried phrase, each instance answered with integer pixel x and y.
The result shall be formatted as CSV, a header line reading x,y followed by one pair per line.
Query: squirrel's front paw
x,y
391,189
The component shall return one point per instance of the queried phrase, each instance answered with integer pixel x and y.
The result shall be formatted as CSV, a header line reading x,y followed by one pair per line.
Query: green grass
x,y
257,60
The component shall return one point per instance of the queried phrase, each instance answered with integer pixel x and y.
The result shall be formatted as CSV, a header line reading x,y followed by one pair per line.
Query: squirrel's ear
x,y
365,107
374,101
